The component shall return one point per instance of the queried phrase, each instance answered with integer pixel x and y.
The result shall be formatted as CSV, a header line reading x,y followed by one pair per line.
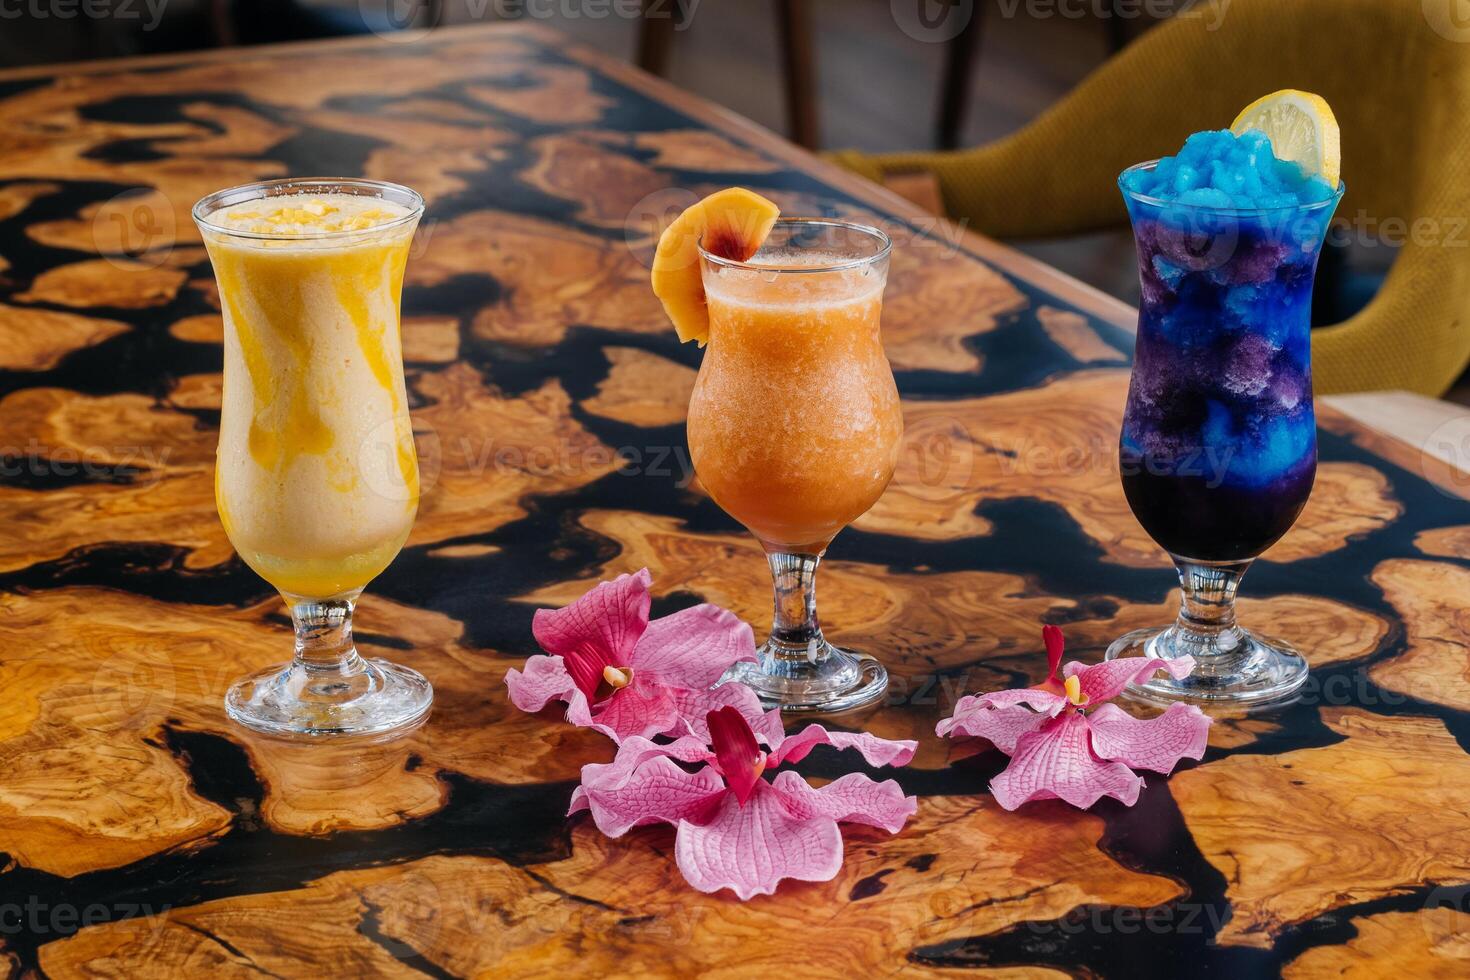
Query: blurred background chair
x,y
1399,84
962,51
796,36
663,19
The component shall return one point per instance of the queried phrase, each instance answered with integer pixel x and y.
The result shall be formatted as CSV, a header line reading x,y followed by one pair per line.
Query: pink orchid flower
x,y
626,676
1066,742
735,829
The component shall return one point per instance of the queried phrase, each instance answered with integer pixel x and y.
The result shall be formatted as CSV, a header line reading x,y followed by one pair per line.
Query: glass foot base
x,y
827,679
1234,667
378,701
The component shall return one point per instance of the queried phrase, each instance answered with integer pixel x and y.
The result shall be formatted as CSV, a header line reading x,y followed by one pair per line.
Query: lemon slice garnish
x,y
1302,129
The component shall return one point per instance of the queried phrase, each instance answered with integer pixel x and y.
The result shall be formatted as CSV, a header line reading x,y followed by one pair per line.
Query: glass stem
x,y
1207,605
326,661
795,632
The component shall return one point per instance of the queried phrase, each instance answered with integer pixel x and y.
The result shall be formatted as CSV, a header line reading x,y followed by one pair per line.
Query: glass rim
x,y
211,203
885,246
1207,209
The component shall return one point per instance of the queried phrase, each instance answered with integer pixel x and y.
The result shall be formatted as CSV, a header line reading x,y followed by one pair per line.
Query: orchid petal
x,y
750,848
1001,725
638,749
641,708
737,754
579,713
689,748
769,728
1055,644
1046,702
693,706
853,798
1057,762
648,709
877,751
544,680
601,629
655,791
1181,732
693,647
1105,681
630,755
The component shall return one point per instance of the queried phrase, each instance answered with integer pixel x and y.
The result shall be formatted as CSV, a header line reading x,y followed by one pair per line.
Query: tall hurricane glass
x,y
1219,442
794,430
316,479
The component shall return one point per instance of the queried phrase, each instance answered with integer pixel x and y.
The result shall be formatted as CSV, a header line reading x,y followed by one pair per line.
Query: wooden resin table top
x,y
142,835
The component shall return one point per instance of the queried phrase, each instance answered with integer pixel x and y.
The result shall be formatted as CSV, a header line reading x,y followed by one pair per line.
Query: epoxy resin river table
x,y
142,835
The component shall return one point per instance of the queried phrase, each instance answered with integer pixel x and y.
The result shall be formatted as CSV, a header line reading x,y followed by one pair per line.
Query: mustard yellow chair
x,y
1397,74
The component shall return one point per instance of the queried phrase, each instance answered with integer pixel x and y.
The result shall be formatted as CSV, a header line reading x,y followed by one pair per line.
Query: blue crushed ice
x,y
1218,169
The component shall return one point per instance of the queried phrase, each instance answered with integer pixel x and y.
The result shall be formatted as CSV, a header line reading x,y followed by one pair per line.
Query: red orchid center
x,y
594,673
738,755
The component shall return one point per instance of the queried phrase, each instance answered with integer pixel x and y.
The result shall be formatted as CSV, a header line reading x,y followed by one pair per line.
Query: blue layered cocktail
x,y
1219,447
1219,442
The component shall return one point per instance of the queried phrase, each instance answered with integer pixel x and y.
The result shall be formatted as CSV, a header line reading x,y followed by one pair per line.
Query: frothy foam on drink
x,y
760,284
308,214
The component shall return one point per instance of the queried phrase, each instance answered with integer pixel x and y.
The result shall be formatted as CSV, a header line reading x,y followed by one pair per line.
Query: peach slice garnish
x,y
731,224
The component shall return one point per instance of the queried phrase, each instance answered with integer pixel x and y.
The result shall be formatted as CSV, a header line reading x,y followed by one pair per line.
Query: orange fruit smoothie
x,y
794,424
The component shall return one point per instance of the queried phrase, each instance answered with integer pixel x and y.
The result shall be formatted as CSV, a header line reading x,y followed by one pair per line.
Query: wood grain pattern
x,y
642,389
142,835
38,340
116,283
1343,846
1070,332
1427,594
1445,542
1433,944
472,915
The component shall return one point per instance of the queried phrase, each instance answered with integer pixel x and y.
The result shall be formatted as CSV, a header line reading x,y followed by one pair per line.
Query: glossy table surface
x,y
142,835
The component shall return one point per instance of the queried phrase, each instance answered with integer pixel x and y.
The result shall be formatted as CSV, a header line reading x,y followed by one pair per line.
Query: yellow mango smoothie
x,y
317,479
